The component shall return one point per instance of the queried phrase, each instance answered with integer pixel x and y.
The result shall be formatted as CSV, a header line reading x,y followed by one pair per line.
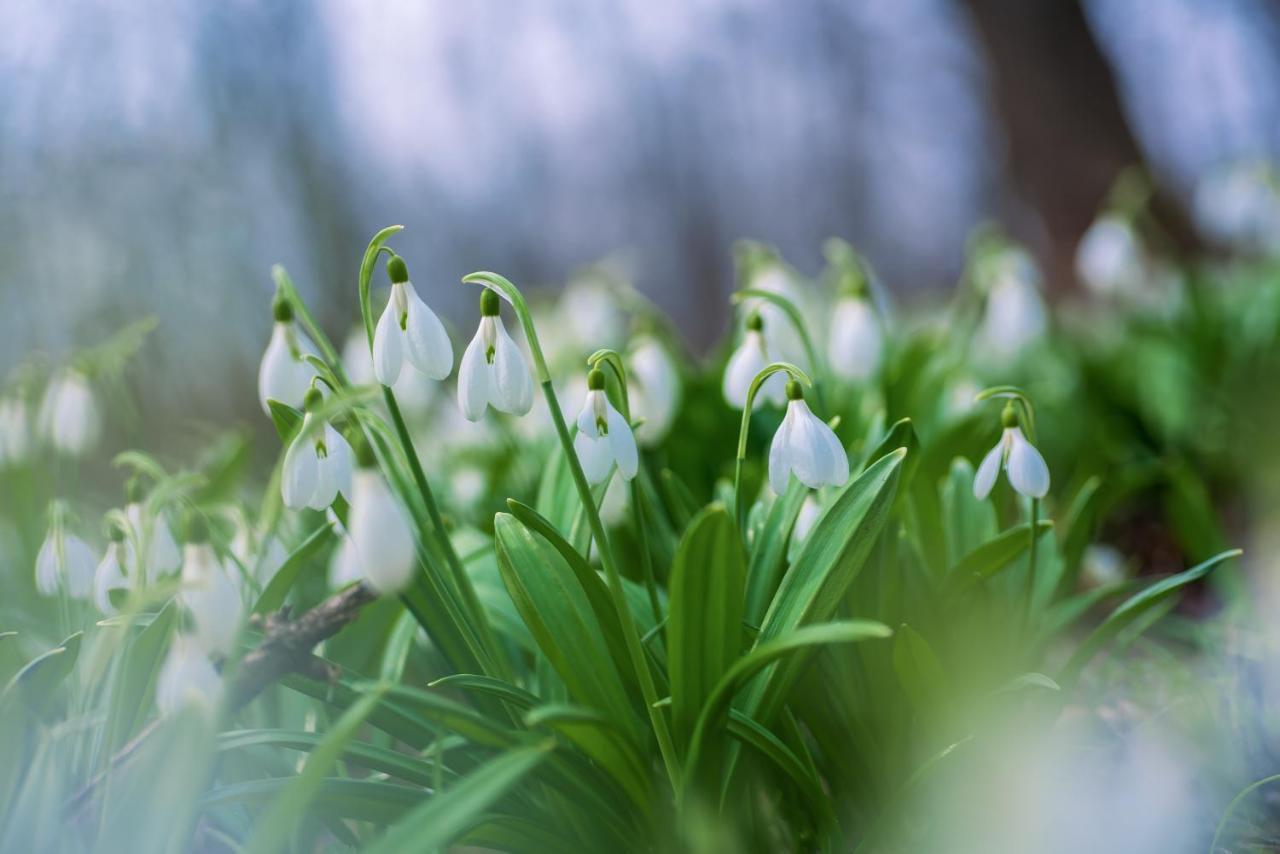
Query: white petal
x,y
80,567
856,340
344,566
109,576
187,678
780,456
388,355
340,461
512,385
163,556
1028,473
281,377
655,390
595,456
380,532
473,378
68,415
47,574
988,470
587,425
747,361
837,472
622,444
300,474
428,345
212,598
813,459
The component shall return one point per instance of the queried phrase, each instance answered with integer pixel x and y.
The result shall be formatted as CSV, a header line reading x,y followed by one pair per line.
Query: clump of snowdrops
x,y
592,593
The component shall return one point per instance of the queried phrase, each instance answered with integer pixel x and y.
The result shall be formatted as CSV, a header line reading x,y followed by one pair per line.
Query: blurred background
x,y
158,157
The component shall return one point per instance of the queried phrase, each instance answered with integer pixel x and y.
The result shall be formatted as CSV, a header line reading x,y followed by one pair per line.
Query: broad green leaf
x,y
392,762
282,582
132,695
37,683
600,738
767,744
704,623
993,556
919,672
505,691
286,419
341,797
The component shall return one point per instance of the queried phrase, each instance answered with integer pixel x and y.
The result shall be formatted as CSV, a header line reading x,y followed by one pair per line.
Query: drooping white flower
x,y
856,342
187,678
654,389
1027,471
493,370
64,562
110,573
380,535
414,396
1015,312
751,357
604,436
15,431
69,419
161,555
208,591
806,447
317,465
344,564
1110,260
409,329
284,375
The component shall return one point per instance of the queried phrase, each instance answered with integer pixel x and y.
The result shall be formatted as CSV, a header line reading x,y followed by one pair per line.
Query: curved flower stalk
x,y
69,419
152,535
65,562
381,540
110,575
15,430
317,466
493,371
770,372
604,436
207,591
655,389
409,331
285,374
187,678
805,447
746,363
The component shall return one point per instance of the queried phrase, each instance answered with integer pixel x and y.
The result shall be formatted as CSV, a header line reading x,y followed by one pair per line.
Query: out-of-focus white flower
x,y
110,573
380,533
1015,313
604,437
591,314
654,389
208,592
806,447
317,466
284,375
251,551
751,357
810,513
1110,259
493,370
69,419
1102,565
783,338
159,548
856,342
1027,471
15,431
187,678
960,397
344,564
64,562
615,503
1238,205
409,329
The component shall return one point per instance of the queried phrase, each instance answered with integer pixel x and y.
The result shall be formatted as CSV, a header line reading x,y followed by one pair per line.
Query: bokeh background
x,y
158,157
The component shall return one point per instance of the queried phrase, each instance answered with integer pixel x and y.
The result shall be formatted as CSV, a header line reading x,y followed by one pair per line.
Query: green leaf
x,y
340,797
446,816
600,738
37,683
282,582
505,691
704,624
768,558
131,696
771,747
993,556
919,672
393,762
286,419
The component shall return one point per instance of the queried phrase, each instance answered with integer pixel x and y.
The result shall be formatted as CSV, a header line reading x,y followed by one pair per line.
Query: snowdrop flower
x,y
408,329
159,548
64,562
110,573
1015,313
784,340
655,389
414,396
590,312
806,447
604,436
344,566
208,592
69,419
1026,469
1102,565
285,375
15,432
493,371
187,678
855,344
381,539
1110,259
317,465
751,357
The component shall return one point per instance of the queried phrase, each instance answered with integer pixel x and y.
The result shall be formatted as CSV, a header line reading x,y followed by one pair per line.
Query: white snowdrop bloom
x,y
751,357
408,329
344,565
208,591
1102,565
413,394
856,342
64,562
15,431
1110,259
317,465
604,436
284,375
1239,205
493,371
1015,313
187,678
806,447
654,389
159,548
784,340
380,534
69,419
110,573
1027,471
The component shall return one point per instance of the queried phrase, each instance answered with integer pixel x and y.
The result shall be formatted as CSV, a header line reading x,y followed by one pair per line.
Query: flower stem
x,y
739,502
797,322
1031,561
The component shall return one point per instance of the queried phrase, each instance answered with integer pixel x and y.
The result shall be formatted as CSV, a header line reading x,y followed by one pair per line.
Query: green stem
x,y
1031,562
739,502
